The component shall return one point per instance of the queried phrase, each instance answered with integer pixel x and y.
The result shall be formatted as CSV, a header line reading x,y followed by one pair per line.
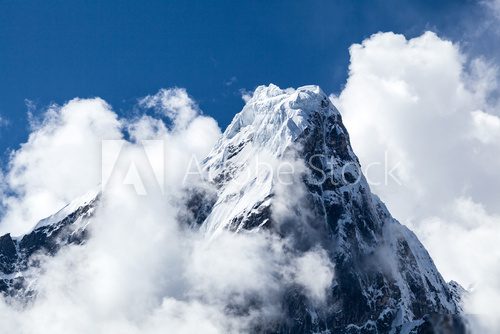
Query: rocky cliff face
x,y
18,255
385,281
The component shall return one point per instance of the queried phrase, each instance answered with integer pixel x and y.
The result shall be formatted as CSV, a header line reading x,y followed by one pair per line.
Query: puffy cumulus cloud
x,y
59,162
425,114
61,159
424,120
486,127
146,128
198,138
141,271
173,103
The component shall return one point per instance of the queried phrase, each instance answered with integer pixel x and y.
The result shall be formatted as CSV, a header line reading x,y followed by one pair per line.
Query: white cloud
x,y
486,127
464,243
146,128
245,95
141,272
174,103
315,273
58,162
428,107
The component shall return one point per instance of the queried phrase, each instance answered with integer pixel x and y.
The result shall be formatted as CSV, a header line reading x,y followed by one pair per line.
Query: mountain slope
x,y
285,165
18,254
385,279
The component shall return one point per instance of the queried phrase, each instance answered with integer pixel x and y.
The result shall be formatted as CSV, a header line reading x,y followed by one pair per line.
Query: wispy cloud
x,y
173,103
3,122
494,5
231,81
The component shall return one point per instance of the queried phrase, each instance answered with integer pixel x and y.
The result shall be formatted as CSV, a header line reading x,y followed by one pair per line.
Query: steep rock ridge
x,y
18,254
262,134
385,280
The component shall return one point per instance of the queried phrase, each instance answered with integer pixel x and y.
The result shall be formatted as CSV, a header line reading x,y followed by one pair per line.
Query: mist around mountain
x,y
269,227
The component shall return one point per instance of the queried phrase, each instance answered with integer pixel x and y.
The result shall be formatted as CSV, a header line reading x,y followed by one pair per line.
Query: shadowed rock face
x,y
17,255
385,281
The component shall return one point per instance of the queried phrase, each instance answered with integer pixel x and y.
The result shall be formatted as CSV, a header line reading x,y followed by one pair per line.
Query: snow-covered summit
x,y
269,125
278,116
272,120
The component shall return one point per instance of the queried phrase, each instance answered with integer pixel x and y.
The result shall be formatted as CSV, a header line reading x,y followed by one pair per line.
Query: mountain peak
x,y
385,281
273,123
262,92
278,115
272,120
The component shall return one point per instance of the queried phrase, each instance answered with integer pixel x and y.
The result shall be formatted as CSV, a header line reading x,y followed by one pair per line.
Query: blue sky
x,y
52,51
